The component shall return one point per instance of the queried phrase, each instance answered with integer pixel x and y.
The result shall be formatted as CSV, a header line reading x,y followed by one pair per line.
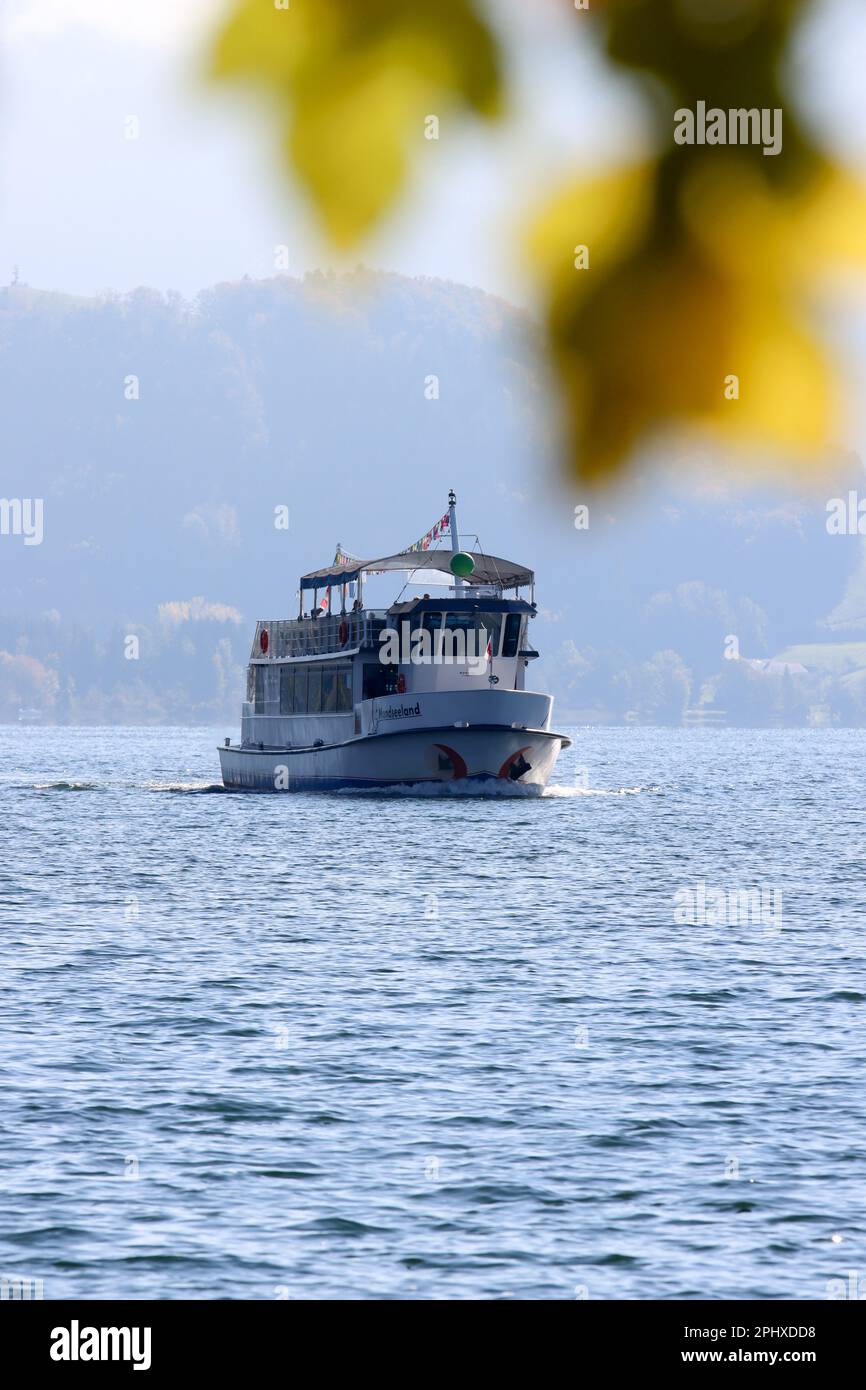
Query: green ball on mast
x,y
461,564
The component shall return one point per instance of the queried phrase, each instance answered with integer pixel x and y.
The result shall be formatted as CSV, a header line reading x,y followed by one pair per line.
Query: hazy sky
x,y
197,199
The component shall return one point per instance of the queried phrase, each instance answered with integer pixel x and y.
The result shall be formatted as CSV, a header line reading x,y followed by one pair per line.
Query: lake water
x,y
409,1047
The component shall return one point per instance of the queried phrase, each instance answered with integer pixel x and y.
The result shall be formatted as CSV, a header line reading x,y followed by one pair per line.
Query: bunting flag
x,y
437,530
342,557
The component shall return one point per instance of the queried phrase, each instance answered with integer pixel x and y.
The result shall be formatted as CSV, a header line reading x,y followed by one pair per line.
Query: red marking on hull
x,y
459,766
510,760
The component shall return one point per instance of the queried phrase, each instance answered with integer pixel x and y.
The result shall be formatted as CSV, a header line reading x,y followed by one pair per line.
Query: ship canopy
x,y
431,565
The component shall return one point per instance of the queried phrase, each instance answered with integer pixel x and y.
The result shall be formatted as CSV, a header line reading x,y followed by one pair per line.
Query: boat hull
x,y
479,760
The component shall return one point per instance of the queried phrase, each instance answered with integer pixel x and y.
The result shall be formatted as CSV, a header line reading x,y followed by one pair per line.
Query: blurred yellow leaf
x,y
354,81
676,291
608,214
787,397
650,334
832,226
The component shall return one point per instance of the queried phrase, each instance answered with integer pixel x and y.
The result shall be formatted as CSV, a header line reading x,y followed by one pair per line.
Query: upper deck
x,y
345,634
335,634
323,632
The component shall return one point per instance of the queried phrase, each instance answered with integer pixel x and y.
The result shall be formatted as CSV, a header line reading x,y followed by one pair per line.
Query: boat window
x,y
260,690
299,699
492,623
251,685
460,622
454,646
329,692
287,688
374,680
471,625
511,642
272,689
431,623
314,690
344,692
379,680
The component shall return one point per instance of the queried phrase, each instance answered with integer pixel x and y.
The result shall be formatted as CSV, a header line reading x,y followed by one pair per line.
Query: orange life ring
x,y
263,639
344,633
401,684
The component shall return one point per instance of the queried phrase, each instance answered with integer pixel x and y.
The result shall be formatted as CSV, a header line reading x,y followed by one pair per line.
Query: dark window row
x,y
313,689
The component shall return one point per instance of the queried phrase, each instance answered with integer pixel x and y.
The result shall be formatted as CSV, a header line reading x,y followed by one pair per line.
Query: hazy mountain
x,y
161,435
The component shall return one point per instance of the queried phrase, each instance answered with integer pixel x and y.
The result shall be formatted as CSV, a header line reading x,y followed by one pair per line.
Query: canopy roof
x,y
489,569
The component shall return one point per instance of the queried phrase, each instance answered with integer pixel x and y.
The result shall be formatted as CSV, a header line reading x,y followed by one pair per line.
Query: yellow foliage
x,y
354,81
701,263
609,214
647,337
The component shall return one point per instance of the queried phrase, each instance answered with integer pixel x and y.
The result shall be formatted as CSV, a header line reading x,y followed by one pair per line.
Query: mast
x,y
455,534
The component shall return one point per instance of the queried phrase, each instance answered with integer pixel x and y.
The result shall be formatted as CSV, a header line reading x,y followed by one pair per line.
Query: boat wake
x,y
560,791
66,787
494,789
186,788
472,788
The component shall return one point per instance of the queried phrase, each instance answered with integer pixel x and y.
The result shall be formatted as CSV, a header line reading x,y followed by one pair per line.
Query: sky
x,y
198,198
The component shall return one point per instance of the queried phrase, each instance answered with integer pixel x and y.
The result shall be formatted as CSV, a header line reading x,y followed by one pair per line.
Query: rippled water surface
x,y
391,1046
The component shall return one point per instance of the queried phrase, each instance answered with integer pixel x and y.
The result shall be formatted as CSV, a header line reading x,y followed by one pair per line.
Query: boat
x,y
425,693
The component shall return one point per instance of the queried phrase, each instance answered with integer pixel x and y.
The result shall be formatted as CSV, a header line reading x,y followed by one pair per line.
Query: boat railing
x,y
324,636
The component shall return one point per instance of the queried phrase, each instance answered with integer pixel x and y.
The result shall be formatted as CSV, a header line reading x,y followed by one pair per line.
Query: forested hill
x,y
162,435
308,394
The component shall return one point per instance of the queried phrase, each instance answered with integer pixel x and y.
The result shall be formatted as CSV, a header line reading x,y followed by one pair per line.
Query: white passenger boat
x,y
429,691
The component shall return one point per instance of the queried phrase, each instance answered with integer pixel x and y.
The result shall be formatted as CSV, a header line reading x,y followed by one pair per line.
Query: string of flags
x,y
342,557
436,530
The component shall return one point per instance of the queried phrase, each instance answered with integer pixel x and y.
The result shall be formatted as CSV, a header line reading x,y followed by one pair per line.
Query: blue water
x,y
394,1047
